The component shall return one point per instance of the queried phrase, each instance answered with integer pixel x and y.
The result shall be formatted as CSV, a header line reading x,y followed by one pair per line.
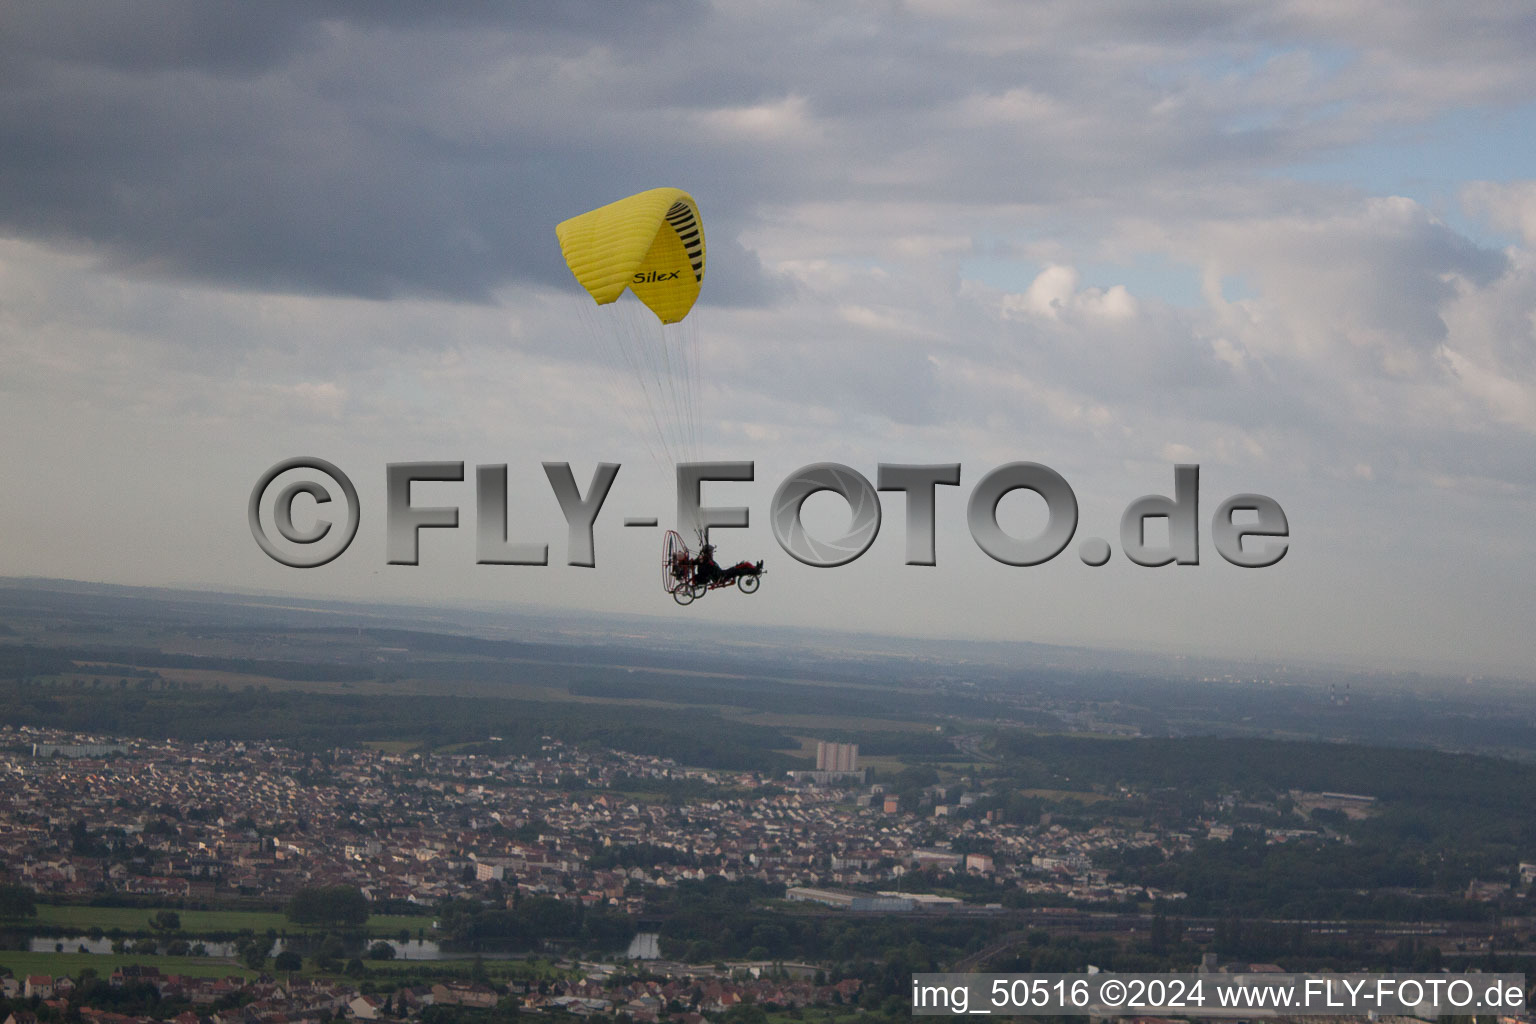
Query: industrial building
x,y
850,899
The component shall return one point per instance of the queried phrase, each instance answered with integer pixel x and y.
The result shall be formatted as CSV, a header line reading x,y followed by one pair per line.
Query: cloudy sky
x,y
1294,243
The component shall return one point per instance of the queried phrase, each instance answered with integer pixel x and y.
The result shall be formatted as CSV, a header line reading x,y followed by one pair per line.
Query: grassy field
x,y
393,746
71,964
848,723
205,922
21,964
883,763
817,1015
806,749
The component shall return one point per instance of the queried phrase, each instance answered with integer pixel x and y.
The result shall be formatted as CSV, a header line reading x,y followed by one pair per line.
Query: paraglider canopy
x,y
651,243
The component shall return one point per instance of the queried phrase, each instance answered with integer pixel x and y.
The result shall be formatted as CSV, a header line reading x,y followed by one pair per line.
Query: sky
x,y
1292,243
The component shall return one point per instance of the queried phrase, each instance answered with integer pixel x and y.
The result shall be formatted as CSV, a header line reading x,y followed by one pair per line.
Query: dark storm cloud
x,y
388,149
125,36
283,148
232,36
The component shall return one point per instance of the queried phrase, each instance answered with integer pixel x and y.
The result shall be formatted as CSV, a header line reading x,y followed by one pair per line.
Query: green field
x,y
71,964
205,922
393,746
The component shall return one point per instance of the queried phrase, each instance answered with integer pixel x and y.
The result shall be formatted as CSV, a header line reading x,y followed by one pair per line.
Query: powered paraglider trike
x,y
688,576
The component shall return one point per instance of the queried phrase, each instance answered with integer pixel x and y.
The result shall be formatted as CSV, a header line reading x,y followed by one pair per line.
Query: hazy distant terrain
x,y
148,661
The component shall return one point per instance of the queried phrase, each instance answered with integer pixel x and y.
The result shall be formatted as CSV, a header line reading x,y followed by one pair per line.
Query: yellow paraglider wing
x,y
651,243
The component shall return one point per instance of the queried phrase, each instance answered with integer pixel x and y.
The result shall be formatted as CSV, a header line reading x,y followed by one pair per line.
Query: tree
x,y
16,901
253,949
336,906
288,961
381,950
165,920
328,956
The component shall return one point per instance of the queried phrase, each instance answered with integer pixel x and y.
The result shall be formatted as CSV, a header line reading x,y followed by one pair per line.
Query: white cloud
x,y
1508,206
773,123
1055,293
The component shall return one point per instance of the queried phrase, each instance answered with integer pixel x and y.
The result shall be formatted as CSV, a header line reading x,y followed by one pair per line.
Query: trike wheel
x,y
749,584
